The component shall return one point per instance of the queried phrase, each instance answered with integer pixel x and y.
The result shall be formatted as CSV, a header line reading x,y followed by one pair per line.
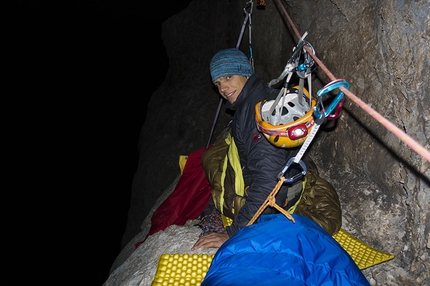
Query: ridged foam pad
x,y
190,269
182,269
362,254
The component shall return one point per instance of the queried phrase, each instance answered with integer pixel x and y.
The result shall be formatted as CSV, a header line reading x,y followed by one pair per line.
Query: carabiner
x,y
337,110
305,68
295,177
322,113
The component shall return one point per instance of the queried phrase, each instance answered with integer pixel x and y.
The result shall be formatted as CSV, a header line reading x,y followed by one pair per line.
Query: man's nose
x,y
223,86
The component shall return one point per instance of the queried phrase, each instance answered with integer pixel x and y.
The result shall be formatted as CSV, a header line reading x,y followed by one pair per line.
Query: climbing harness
x,y
287,120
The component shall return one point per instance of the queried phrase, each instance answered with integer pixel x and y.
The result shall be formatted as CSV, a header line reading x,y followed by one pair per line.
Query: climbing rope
x,y
414,145
271,201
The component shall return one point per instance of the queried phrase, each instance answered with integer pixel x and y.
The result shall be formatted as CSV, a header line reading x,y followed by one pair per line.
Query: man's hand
x,y
211,240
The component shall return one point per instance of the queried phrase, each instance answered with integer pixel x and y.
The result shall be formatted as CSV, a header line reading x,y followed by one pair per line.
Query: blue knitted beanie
x,y
230,62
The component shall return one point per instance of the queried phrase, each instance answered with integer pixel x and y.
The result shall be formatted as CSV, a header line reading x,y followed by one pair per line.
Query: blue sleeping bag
x,y
276,251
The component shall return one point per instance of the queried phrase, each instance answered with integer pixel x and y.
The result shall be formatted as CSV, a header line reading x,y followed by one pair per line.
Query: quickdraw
x,y
320,113
300,63
248,12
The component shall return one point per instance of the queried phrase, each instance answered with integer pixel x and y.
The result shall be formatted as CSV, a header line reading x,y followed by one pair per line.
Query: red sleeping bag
x,y
187,201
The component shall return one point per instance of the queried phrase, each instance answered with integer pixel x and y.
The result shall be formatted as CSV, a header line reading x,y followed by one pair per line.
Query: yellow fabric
x,y
182,160
226,221
182,269
233,156
221,198
363,255
293,207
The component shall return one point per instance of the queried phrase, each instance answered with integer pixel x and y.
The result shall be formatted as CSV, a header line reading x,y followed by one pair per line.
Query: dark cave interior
x,y
88,67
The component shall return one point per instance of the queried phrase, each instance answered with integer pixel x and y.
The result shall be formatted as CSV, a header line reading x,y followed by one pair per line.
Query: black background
x,y
77,77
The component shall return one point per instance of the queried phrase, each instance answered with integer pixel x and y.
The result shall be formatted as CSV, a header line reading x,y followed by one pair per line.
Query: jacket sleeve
x,y
264,164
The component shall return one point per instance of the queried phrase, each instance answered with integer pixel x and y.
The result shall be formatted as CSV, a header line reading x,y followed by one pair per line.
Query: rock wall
x,y
381,48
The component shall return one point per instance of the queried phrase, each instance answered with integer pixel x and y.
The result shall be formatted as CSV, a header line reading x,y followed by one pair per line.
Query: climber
x,y
261,161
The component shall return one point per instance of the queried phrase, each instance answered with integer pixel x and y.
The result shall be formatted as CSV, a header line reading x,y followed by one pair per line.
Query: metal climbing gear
x,y
248,12
336,105
320,113
249,5
287,120
300,63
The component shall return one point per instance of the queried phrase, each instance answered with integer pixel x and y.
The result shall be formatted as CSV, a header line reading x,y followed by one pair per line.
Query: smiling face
x,y
230,86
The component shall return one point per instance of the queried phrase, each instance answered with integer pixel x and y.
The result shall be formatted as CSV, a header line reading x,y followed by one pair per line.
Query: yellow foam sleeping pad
x,y
190,269
182,269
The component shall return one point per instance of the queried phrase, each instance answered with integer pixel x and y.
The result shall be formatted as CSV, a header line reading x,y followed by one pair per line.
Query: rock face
x,y
381,48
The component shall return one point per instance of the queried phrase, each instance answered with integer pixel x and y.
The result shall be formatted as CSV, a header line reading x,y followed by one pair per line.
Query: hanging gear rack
x,y
288,129
302,69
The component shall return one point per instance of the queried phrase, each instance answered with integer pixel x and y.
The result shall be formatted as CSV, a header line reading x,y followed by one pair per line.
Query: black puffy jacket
x,y
261,161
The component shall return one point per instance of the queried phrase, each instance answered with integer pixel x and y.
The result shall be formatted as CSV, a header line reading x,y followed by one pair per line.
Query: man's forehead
x,y
223,78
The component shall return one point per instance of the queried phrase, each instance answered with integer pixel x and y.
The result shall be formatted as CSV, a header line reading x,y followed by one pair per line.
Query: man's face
x,y
230,86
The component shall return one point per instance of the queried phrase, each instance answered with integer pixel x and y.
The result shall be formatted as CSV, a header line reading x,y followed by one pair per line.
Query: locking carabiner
x,y
296,176
304,69
320,112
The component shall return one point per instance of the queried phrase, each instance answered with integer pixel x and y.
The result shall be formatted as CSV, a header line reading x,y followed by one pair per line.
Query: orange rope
x,y
271,201
414,145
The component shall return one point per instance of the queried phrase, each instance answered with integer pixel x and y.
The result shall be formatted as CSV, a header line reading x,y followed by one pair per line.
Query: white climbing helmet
x,y
286,123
